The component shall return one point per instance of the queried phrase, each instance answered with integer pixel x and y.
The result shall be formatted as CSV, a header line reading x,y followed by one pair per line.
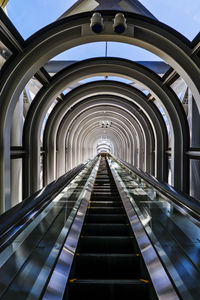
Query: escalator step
x,y
101,179
105,195
107,266
105,210
105,184
107,289
104,198
106,218
105,229
107,244
105,204
104,189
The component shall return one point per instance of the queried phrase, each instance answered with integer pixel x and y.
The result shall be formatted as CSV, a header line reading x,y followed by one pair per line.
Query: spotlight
x,y
96,22
119,23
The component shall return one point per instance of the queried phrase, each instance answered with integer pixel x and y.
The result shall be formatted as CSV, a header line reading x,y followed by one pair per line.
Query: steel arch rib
x,y
94,130
83,127
62,133
130,94
86,114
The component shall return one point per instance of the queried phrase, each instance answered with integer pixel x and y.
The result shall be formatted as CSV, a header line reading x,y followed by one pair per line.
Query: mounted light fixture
x,y
105,124
96,22
119,23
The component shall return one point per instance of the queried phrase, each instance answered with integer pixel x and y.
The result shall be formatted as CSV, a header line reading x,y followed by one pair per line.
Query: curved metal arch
x,y
85,125
113,134
137,123
50,145
117,134
130,94
114,110
81,128
115,145
130,110
118,119
112,115
72,31
139,116
85,114
112,131
121,68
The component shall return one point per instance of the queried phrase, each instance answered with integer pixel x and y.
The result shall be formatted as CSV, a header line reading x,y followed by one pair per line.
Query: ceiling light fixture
x,y
119,23
96,22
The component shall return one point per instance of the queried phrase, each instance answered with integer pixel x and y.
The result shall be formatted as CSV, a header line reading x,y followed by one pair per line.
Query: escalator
x,y
107,263
91,235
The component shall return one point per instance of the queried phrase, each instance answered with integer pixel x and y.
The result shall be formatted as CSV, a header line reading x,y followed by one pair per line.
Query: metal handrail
x,y
13,221
187,203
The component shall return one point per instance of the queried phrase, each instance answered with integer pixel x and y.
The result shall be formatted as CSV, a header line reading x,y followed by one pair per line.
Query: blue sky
x,y
30,15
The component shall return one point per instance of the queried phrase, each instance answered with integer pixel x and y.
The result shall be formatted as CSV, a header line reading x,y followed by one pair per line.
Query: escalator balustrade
x,y
107,263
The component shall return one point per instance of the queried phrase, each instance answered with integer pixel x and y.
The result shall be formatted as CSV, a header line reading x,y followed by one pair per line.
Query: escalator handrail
x,y
24,212
189,204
